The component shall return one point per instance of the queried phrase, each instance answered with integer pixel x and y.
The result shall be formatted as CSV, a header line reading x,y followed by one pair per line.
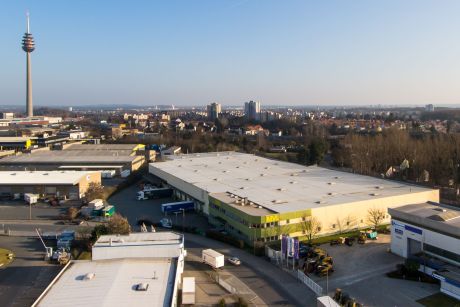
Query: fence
x,y
310,283
274,255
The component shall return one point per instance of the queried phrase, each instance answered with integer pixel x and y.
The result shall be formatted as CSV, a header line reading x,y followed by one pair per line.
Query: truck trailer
x,y
178,206
149,193
214,259
188,290
30,198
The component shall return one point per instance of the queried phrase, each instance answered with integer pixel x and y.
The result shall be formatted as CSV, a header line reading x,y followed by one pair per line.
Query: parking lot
x,y
360,271
22,281
19,210
126,204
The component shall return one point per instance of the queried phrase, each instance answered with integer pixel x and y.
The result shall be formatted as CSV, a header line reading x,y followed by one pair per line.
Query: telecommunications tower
x,y
28,45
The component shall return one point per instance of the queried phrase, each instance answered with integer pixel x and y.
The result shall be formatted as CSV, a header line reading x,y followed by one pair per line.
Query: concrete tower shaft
x,y
28,45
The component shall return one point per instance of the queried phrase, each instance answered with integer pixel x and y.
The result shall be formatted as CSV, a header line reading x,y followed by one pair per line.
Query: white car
x,y
166,223
234,261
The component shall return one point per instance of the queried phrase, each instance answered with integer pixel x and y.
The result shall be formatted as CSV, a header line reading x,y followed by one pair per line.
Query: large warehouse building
x,y
68,184
118,157
259,199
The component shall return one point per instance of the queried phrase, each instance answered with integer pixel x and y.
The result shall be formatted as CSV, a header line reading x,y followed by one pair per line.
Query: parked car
x,y
166,223
234,260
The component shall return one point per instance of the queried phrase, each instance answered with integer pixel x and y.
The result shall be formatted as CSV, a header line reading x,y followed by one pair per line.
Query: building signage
x,y
413,229
399,231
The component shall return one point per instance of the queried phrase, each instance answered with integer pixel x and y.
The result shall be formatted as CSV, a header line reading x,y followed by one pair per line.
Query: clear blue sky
x,y
193,52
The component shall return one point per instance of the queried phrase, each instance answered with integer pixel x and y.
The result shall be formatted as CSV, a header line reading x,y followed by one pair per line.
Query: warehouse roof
x,y
431,215
275,185
113,283
41,177
11,139
104,147
62,157
140,238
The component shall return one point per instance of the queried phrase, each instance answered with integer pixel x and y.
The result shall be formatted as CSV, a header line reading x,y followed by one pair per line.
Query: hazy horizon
x,y
191,53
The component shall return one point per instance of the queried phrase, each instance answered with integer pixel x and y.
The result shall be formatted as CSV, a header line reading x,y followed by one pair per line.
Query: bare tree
x,y
375,217
311,226
94,191
118,225
72,213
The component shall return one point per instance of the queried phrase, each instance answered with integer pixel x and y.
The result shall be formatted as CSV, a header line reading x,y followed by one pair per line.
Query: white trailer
x,y
96,204
108,174
213,258
125,173
326,301
188,291
31,198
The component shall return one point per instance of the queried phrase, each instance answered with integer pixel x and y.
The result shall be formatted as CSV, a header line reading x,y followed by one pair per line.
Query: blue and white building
x,y
430,233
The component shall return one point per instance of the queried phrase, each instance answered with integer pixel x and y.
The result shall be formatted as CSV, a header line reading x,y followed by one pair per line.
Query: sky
x,y
193,52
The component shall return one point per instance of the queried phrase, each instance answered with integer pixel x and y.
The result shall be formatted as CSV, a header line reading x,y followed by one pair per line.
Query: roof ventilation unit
x,y
142,287
331,183
89,276
320,202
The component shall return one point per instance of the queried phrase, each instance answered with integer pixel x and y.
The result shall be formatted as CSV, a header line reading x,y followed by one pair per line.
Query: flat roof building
x,y
260,199
79,157
128,270
430,234
68,184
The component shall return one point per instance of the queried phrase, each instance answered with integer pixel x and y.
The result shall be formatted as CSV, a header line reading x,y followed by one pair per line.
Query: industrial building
x,y
15,143
118,157
258,199
429,233
67,184
140,269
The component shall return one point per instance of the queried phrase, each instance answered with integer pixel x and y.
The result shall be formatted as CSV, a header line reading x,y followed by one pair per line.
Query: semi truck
x,y
214,259
178,206
150,193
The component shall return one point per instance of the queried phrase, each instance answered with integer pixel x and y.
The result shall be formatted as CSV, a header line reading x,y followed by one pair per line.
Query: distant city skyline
x,y
188,53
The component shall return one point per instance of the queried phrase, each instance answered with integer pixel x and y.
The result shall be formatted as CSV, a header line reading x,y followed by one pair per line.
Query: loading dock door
x,y
50,190
413,247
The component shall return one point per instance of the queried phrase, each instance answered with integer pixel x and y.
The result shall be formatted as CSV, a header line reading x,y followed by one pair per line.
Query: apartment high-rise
x,y
252,110
214,109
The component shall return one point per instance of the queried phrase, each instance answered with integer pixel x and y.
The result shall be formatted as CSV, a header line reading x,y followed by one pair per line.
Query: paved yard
x,y
125,203
22,281
360,271
208,292
19,210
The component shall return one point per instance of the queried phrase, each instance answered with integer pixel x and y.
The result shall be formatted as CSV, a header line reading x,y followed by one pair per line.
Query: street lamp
x,y
183,217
